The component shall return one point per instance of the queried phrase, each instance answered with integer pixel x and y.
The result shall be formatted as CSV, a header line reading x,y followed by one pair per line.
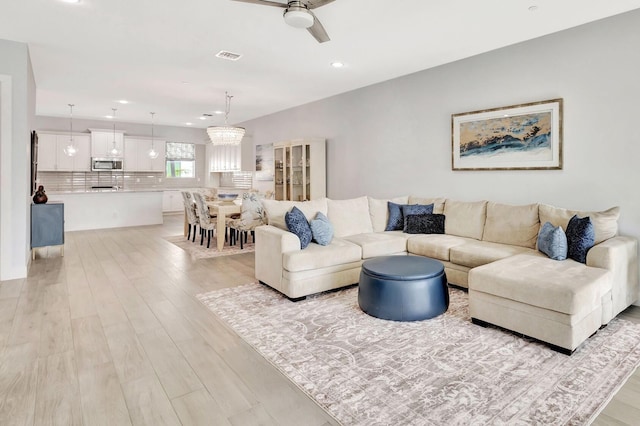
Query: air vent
x,y
223,54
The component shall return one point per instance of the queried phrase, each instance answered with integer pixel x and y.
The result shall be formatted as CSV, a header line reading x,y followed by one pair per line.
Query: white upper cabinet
x,y
51,156
102,142
136,155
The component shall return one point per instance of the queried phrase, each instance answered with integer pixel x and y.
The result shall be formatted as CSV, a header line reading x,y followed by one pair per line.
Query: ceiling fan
x,y
298,14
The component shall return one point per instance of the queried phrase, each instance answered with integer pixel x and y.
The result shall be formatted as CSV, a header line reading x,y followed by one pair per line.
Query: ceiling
x,y
160,54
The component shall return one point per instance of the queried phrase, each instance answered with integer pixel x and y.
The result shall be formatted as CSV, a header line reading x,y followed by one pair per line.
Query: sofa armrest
x,y
271,243
620,256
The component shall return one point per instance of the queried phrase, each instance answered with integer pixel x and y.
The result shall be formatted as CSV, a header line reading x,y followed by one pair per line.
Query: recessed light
x,y
185,82
108,116
202,117
337,64
123,101
533,8
71,1
218,112
189,124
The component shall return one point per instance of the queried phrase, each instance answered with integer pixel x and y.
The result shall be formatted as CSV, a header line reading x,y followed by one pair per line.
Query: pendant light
x,y
70,150
226,135
115,152
152,153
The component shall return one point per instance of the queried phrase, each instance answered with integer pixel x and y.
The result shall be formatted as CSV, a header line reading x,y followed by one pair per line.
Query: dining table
x,y
222,209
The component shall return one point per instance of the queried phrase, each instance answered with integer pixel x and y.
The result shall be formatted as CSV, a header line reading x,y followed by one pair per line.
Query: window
x,y
181,160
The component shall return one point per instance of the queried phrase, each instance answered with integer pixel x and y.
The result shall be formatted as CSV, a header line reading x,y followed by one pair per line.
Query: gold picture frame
x,y
517,137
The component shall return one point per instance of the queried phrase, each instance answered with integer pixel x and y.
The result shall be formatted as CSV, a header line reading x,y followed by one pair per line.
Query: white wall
x,y
394,138
18,99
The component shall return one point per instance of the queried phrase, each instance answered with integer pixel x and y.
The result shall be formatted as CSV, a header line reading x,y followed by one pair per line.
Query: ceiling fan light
x,y
298,18
225,135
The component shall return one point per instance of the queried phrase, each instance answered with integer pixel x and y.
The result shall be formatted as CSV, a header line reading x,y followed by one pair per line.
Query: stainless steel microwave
x,y
106,164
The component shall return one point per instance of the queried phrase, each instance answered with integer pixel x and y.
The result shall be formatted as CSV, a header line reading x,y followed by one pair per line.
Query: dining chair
x,y
192,216
207,222
252,215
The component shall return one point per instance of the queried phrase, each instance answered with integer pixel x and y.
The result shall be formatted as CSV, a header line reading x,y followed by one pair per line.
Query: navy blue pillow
x,y
414,209
581,236
552,241
297,223
396,220
425,224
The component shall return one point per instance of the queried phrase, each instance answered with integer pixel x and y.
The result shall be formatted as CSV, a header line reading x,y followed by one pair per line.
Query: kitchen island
x,y
109,209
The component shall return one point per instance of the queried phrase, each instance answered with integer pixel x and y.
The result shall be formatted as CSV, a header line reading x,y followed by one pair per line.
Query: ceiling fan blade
x,y
317,30
314,4
264,3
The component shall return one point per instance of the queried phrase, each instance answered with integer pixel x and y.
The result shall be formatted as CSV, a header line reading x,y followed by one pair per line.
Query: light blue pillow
x,y
552,241
297,223
321,229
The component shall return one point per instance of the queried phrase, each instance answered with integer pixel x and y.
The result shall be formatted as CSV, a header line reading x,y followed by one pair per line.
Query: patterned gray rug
x,y
367,371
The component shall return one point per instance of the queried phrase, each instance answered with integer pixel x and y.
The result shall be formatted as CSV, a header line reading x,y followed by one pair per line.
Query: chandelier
x,y
226,135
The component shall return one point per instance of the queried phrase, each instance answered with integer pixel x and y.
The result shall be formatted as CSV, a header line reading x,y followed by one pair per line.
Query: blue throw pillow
x,y
396,220
408,209
425,224
297,223
552,241
581,236
321,229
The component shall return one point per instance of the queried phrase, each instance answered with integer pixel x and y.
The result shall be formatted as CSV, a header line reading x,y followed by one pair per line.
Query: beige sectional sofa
x,y
487,247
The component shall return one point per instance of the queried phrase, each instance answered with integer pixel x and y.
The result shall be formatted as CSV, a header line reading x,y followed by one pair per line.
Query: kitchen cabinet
x,y
102,142
51,156
300,172
47,226
172,202
136,155
225,158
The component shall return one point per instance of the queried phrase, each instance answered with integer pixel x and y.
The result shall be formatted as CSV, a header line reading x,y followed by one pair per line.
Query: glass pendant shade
x,y
114,152
152,153
226,135
70,150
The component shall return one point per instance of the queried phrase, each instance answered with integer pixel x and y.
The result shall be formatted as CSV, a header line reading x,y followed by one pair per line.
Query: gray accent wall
x,y
394,138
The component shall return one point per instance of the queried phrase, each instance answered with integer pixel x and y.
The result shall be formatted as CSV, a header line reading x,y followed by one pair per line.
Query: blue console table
x,y
47,226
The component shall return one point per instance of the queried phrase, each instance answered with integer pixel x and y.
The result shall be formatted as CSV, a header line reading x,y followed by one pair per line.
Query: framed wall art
x,y
517,137
264,162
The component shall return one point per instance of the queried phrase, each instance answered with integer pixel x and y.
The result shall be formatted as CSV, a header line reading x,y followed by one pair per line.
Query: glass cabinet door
x,y
279,173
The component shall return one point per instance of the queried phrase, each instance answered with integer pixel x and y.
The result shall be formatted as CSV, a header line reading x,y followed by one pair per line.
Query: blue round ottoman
x,y
403,288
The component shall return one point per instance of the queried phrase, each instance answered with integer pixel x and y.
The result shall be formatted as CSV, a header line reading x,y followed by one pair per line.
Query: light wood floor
x,y
112,334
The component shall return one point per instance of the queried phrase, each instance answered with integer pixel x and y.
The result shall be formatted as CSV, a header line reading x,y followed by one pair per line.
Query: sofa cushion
x,y
438,203
477,253
605,223
297,224
316,256
515,225
580,238
568,287
424,224
435,246
379,211
552,241
379,243
349,217
321,229
276,210
465,219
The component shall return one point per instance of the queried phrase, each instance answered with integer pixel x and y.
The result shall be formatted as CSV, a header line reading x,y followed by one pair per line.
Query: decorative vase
x,y
40,197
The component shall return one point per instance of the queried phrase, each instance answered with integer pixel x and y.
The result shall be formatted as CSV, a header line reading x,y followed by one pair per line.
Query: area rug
x,y
446,370
198,251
